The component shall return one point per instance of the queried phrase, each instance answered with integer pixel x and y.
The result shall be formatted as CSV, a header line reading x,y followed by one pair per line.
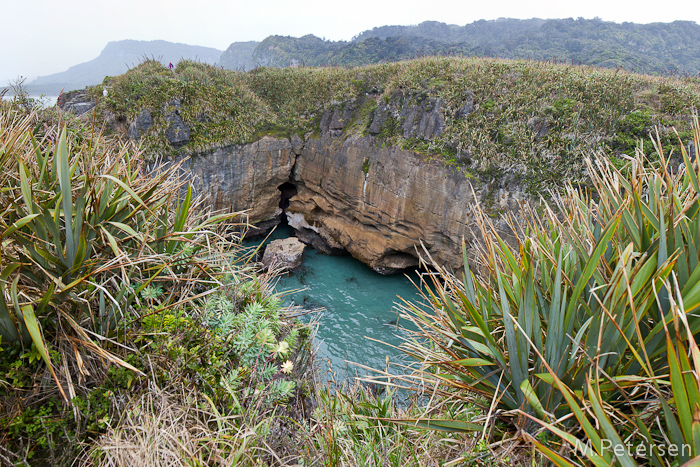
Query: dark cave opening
x,y
288,190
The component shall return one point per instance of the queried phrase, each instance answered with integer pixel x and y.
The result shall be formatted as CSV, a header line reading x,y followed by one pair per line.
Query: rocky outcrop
x,y
76,102
313,235
177,133
243,178
284,255
141,124
345,192
379,203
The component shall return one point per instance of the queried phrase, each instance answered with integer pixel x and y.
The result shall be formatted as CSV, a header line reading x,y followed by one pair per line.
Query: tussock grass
x,y
162,429
353,425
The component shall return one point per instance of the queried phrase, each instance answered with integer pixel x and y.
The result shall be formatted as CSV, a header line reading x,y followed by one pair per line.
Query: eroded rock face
x,y
243,178
381,215
141,124
284,255
78,102
314,236
177,133
345,193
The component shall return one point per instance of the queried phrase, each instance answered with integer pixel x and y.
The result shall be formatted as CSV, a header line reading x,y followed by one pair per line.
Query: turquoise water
x,y
358,304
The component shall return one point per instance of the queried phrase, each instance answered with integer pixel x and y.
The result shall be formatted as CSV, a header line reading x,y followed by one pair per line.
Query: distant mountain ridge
x,y
491,31
647,48
654,47
116,58
281,51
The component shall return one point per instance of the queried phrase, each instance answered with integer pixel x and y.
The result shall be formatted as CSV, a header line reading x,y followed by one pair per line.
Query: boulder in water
x,y
284,255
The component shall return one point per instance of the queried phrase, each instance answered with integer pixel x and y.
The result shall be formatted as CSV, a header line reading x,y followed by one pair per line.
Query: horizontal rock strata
x,y
344,192
380,203
243,177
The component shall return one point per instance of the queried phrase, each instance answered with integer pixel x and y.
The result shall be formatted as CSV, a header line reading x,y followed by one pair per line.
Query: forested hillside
x,y
657,48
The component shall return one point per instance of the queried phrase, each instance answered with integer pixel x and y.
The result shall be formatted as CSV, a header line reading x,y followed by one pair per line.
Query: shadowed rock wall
x,y
243,177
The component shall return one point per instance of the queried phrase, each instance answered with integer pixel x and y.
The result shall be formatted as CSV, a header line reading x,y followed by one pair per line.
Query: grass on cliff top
x,y
533,119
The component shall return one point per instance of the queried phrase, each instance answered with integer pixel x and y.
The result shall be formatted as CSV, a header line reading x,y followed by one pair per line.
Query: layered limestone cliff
x,y
374,159
343,188
378,203
243,177
347,195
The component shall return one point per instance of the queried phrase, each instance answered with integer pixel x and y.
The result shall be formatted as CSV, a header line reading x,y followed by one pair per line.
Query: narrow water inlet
x,y
359,304
359,309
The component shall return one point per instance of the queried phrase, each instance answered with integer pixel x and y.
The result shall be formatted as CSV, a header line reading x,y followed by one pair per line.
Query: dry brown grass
x,y
162,428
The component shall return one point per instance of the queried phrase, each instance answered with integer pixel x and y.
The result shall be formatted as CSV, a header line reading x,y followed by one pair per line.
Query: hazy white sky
x,y
41,37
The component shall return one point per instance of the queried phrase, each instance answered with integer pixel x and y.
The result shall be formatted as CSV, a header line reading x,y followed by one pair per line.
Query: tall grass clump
x,y
351,426
83,233
116,283
586,315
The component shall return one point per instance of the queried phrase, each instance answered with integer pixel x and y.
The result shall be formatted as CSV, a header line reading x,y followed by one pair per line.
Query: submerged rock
x,y
284,255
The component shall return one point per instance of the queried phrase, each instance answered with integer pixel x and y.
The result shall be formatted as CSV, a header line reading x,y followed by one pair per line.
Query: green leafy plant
x,y
581,292
76,216
353,426
659,429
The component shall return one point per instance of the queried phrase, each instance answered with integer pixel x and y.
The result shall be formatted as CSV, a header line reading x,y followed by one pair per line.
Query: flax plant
x,y
84,231
581,289
660,429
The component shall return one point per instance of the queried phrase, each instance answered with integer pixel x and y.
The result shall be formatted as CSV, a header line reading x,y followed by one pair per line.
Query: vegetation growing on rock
x,y
534,121
112,335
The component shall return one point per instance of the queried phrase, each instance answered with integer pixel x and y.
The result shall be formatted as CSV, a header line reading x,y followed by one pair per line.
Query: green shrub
x,y
79,224
365,166
583,295
87,243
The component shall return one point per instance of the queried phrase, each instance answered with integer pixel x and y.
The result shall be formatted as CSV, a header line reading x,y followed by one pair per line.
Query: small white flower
x,y
282,348
287,367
